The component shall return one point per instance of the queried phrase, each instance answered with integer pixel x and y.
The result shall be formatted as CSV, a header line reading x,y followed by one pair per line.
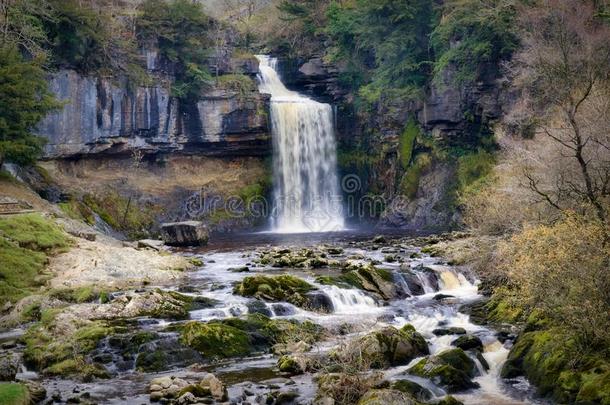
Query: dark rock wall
x,y
452,113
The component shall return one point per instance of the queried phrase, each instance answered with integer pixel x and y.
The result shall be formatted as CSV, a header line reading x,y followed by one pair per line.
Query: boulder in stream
x,y
451,369
386,397
388,347
188,233
468,342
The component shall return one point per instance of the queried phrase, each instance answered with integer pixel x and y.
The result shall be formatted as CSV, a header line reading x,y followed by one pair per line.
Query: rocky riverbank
x,y
375,321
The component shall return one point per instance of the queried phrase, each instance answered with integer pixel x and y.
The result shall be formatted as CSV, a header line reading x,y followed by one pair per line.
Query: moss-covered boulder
x,y
454,330
164,304
298,258
449,400
275,288
451,369
413,389
216,340
364,276
389,347
386,397
60,343
290,364
468,342
234,337
546,359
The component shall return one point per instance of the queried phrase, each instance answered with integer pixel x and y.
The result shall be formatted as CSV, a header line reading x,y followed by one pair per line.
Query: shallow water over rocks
x,y
427,293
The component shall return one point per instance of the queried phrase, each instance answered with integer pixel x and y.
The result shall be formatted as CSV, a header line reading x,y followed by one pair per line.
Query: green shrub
x,y
241,84
473,167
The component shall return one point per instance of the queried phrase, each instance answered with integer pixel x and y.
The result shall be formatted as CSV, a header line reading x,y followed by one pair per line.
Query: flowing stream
x,y
419,279
306,188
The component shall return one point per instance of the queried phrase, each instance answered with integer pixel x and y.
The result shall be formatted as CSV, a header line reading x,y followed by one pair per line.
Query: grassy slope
x,y
26,241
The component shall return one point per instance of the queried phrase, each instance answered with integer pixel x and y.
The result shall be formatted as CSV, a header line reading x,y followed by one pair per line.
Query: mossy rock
x,y
235,337
413,389
392,347
449,400
451,369
77,366
364,277
546,358
287,364
468,342
154,361
216,340
386,397
64,354
277,288
173,305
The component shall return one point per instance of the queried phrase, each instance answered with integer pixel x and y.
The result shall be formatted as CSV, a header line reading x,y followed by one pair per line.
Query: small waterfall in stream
x,y
306,187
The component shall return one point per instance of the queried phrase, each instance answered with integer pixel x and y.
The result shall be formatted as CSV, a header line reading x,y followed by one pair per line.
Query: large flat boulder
x,y
188,233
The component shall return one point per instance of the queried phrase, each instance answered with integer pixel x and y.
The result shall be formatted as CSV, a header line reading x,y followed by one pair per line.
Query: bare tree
x,y
563,72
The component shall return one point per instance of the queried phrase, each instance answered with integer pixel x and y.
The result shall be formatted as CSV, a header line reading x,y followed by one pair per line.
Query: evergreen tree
x,y
24,100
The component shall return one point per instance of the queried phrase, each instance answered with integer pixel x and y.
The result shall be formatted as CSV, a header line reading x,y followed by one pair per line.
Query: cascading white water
x,y
306,187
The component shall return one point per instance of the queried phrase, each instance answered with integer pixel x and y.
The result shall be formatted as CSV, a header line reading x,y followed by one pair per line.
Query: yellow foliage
x,y
562,270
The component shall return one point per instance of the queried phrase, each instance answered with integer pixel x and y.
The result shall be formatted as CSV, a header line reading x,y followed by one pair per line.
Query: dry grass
x,y
224,176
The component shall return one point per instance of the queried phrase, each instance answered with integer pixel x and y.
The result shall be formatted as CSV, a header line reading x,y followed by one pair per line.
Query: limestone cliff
x,y
110,116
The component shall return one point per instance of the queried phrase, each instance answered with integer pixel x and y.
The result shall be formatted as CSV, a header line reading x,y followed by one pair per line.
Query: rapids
x,y
257,375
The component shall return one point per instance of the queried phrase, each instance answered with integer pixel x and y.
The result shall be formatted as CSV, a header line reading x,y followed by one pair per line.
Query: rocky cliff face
x,y
105,116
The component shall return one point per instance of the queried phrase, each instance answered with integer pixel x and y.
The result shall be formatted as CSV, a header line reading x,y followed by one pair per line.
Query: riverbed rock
x,y
275,288
165,388
389,347
216,340
386,397
291,364
367,277
9,366
153,244
468,342
451,369
413,389
187,233
258,307
319,302
216,387
454,330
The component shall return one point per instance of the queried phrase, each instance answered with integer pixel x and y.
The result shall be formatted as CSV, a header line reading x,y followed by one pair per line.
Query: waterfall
x,y
349,301
306,188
